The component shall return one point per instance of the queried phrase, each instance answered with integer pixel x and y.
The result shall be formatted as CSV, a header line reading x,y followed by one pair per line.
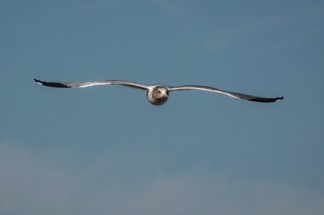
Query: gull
x,y
158,94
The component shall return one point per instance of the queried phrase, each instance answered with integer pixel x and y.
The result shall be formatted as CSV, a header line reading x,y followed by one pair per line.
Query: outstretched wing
x,y
89,84
228,93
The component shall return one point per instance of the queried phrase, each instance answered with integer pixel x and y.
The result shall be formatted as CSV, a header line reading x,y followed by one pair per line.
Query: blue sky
x,y
106,150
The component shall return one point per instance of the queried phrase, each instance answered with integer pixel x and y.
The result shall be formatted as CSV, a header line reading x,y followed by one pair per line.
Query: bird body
x,y
158,94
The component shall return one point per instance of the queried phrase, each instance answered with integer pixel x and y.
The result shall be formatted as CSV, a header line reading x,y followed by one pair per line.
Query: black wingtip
x,y
51,84
38,81
279,98
266,100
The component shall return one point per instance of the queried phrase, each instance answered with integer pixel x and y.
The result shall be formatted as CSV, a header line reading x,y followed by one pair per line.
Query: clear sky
x,y
106,150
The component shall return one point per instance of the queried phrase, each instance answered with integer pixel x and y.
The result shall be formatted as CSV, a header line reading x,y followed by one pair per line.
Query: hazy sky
x,y
106,150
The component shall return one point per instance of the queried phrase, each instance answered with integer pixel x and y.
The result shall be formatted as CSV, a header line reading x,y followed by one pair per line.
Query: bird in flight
x,y
158,94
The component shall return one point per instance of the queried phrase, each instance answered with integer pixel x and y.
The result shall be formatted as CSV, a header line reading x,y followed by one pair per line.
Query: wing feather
x,y
89,84
228,93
